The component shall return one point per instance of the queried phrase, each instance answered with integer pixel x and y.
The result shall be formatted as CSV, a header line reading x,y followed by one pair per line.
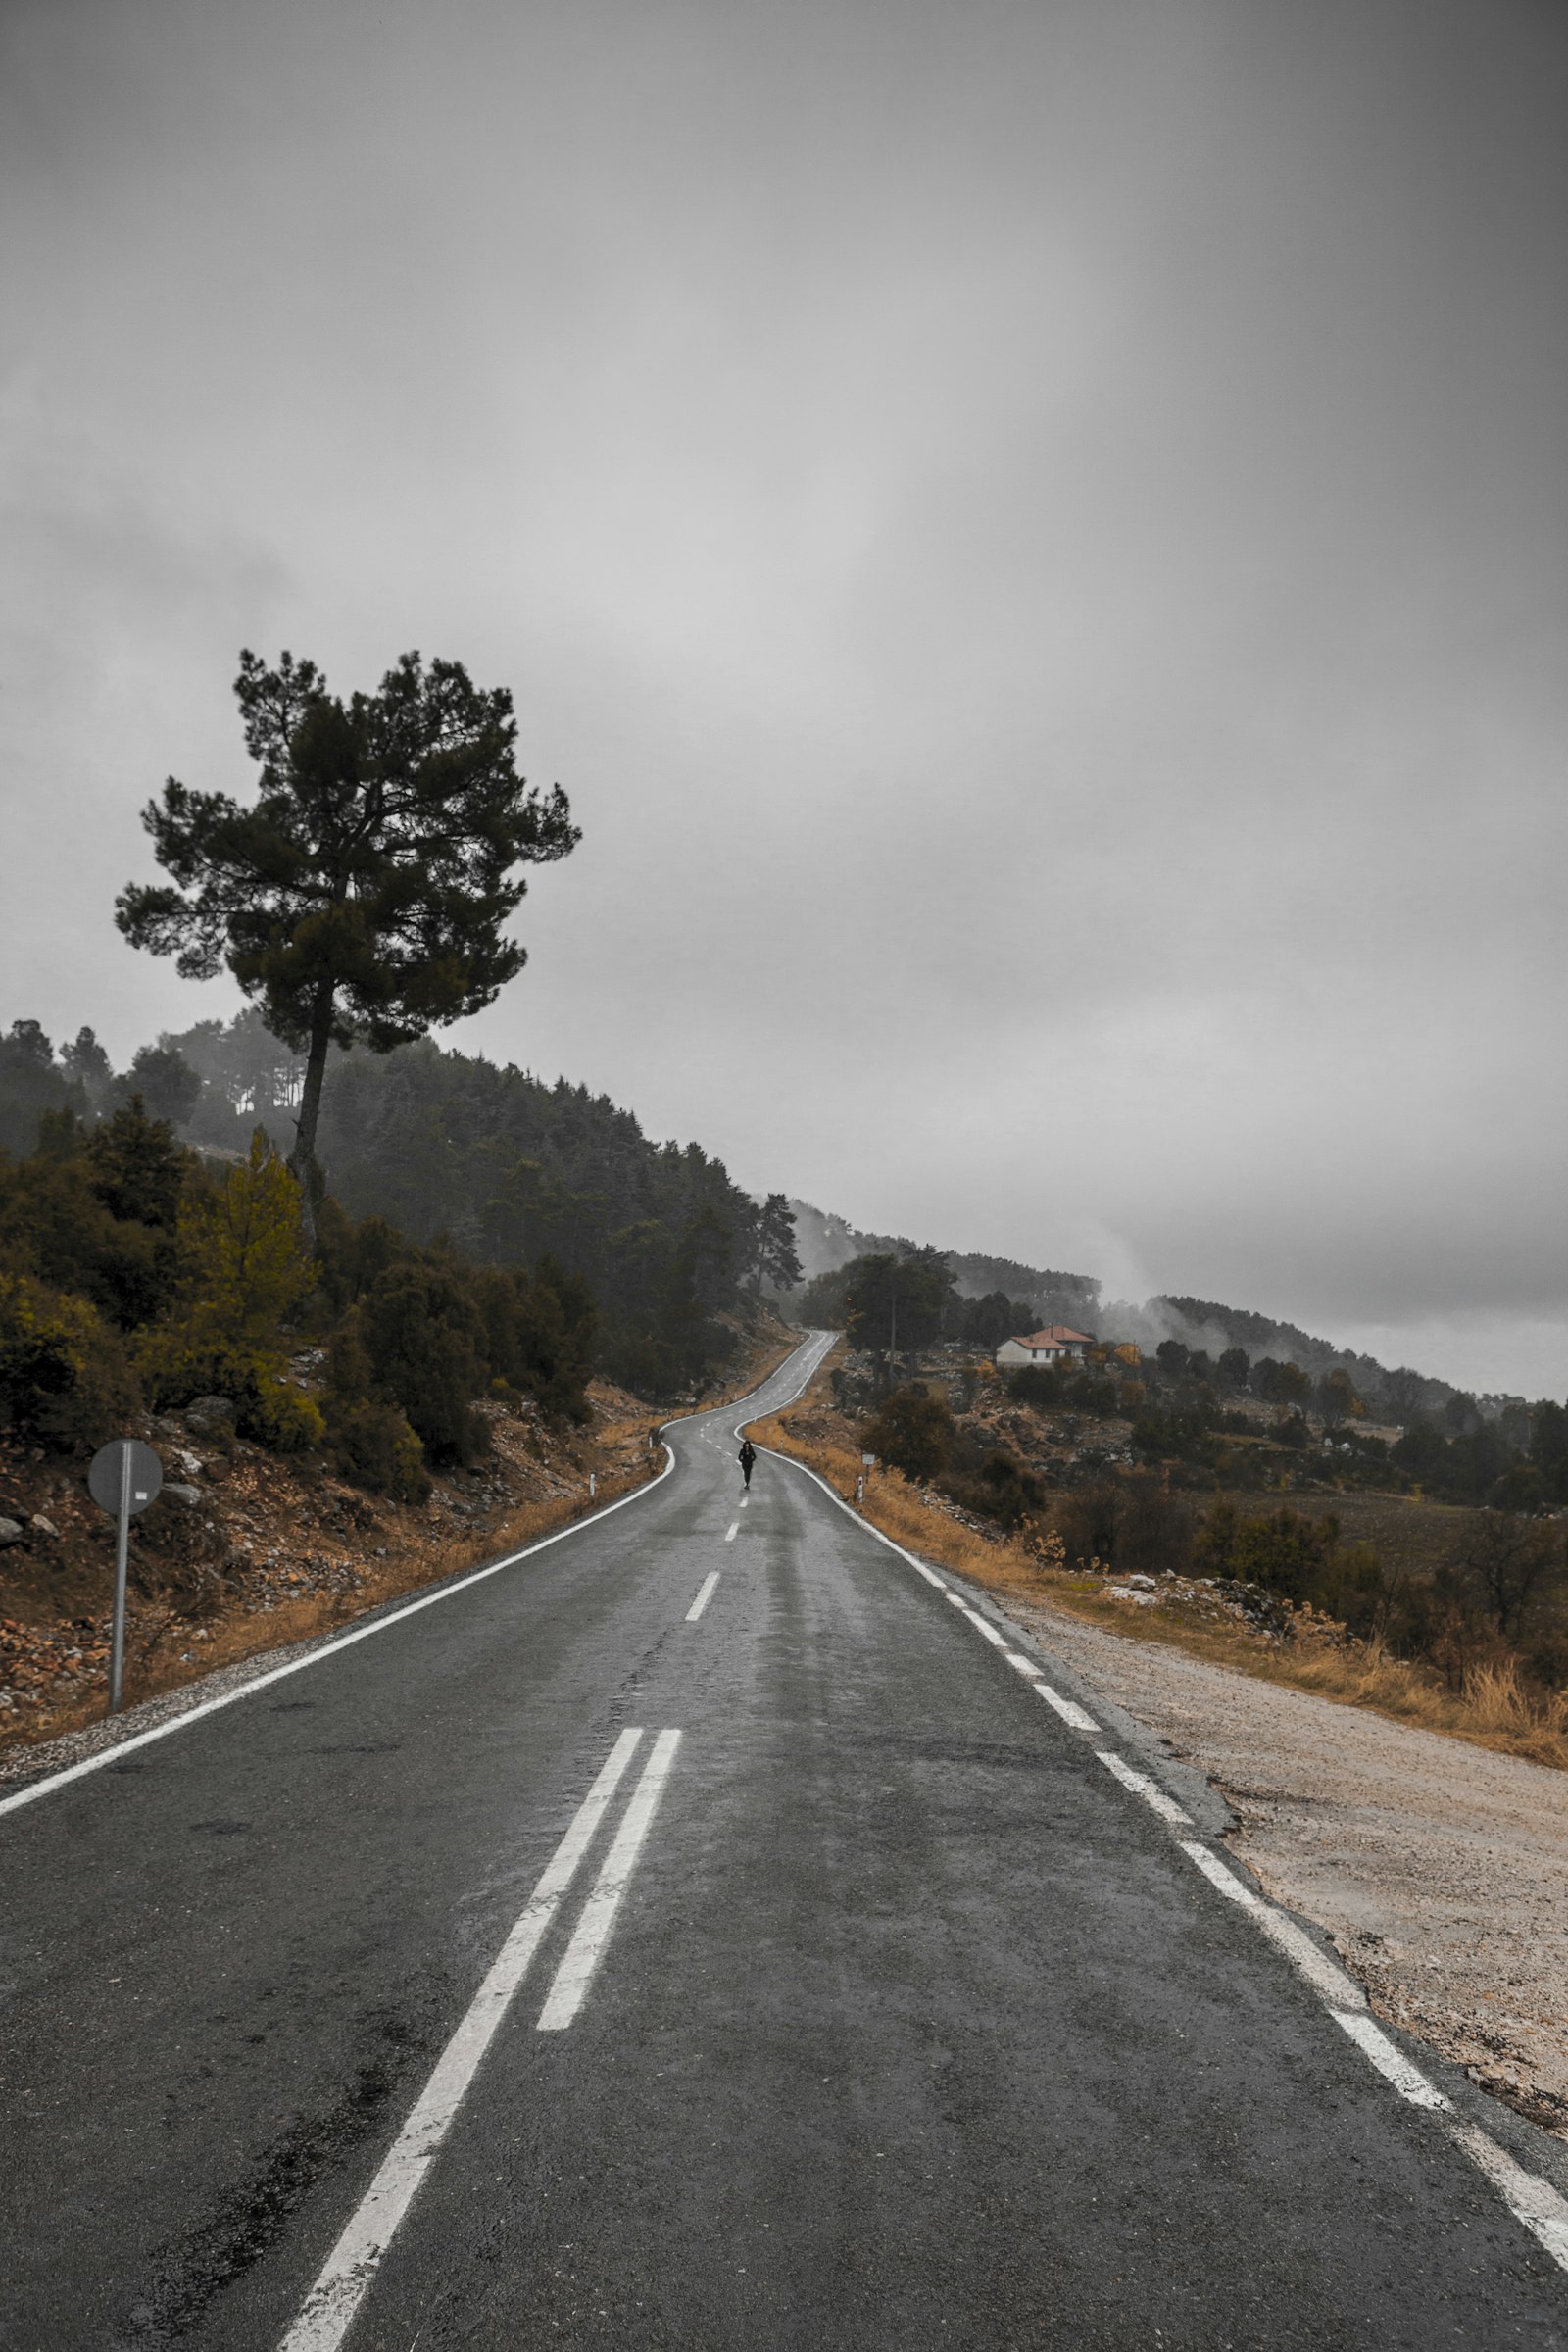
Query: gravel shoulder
x,y
1439,1869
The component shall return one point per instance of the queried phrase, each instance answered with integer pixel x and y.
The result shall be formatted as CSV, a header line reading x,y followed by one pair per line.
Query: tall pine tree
x,y
362,898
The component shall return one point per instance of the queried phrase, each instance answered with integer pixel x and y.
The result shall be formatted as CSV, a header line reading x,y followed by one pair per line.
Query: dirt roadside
x,y
1439,1868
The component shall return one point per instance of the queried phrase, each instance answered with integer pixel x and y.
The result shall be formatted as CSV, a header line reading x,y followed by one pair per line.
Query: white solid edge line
x,y
1528,2198
349,2269
705,1593
1067,1708
1024,1665
1217,1875
50,1780
1407,2079
1336,1988
587,1947
1142,1786
833,1494
826,1341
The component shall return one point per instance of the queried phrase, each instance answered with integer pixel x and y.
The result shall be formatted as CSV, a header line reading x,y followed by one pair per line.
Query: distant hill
x,y
825,1242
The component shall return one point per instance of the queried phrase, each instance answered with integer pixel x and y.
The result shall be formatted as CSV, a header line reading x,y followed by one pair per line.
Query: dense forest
x,y
480,1232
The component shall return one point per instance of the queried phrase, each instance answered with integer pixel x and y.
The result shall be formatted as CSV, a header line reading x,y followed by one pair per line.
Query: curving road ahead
x,y
710,1929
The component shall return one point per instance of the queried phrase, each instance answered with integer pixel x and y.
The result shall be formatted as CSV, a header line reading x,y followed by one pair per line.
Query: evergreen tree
x,y
362,898
775,1255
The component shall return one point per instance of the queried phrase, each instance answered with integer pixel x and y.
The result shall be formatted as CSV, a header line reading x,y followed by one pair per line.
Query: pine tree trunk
x,y
303,1158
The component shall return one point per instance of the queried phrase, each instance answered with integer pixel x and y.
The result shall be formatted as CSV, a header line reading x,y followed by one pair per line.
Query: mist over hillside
x,y
825,1242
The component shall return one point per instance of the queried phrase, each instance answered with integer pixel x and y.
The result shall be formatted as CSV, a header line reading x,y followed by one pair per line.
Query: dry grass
x,y
1492,1709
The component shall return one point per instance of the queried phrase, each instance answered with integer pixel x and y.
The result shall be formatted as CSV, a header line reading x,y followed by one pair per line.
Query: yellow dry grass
x,y
1493,1709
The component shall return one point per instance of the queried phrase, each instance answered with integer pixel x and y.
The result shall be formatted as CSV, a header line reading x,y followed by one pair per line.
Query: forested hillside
x,y
828,1244
479,1164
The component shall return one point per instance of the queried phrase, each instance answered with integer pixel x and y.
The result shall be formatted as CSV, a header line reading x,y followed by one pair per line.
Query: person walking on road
x,y
748,1456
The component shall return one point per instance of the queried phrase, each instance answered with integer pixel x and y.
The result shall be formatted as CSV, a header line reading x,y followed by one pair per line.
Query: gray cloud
x,y
1034,537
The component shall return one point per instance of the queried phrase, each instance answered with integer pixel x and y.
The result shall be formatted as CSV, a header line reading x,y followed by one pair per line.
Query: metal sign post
x,y
123,1478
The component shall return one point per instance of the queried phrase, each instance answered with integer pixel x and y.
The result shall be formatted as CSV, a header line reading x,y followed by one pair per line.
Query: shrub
x,y
912,1432
422,1334
1155,1530
64,1378
1131,1524
178,1365
281,1417
1003,1490
372,1444
1291,1553
247,1240
538,1336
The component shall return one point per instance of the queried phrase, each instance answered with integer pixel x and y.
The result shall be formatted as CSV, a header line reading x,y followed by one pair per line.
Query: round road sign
x,y
107,1471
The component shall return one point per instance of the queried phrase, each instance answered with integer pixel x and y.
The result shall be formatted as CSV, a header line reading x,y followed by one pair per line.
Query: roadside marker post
x,y
122,1478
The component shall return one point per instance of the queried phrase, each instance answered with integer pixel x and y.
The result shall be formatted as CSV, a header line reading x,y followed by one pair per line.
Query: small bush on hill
x,y
912,1432
65,1379
179,1364
1003,1489
372,1445
422,1334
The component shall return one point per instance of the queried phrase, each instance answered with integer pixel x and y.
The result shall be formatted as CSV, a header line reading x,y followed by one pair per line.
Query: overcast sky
x,y
1035,536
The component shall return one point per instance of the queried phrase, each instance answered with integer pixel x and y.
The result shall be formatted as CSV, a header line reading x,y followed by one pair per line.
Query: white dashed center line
x,y
705,1593
732,1531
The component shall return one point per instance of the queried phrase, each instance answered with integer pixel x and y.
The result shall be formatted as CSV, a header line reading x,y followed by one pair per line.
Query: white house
x,y
1060,1344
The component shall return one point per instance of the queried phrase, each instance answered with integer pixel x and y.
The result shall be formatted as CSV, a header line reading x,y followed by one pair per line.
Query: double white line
x,y
338,2293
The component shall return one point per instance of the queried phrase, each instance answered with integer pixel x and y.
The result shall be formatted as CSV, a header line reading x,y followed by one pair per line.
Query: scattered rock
x,y
211,1413
44,1527
10,1532
189,1495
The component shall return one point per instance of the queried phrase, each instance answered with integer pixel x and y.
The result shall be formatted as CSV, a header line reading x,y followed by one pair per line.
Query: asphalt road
x,y
873,2009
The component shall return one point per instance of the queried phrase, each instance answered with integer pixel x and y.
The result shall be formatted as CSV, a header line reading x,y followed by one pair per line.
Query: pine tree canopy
x,y
362,897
